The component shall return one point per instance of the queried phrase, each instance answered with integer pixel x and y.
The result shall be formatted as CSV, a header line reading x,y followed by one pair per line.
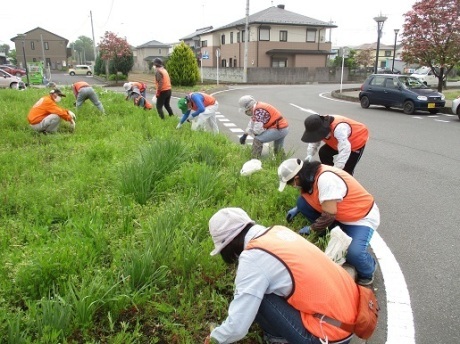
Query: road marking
x,y
400,326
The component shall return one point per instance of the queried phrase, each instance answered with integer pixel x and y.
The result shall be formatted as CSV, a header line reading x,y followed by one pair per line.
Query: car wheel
x,y
458,112
88,73
433,112
72,73
14,85
409,107
365,102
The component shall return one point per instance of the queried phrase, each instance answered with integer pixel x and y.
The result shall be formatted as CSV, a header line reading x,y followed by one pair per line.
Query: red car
x,y
13,70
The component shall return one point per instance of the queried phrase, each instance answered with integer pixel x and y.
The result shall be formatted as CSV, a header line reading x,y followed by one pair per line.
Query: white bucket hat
x,y
225,225
288,170
127,86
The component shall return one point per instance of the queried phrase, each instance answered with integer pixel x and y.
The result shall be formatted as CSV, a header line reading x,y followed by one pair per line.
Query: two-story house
x,y
277,39
145,54
42,45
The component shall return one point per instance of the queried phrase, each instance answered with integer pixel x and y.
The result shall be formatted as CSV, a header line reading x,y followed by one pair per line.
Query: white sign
x,y
205,57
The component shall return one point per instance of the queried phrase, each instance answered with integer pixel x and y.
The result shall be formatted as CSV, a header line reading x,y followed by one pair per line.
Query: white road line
x,y
442,120
228,125
400,326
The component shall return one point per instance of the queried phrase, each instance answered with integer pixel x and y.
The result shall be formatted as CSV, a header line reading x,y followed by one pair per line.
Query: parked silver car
x,y
10,81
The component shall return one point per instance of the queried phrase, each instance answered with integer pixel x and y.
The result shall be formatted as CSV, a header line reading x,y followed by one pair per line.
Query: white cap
x,y
288,170
127,86
246,102
225,225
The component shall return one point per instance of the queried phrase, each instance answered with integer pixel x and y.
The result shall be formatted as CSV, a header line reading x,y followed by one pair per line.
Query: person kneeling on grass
x,y
328,197
282,282
45,116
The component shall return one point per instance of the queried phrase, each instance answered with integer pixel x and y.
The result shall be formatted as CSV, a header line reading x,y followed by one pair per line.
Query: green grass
x,y
103,232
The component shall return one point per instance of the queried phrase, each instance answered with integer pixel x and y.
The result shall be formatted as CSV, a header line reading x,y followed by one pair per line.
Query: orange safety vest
x,y
140,85
46,106
166,85
318,284
357,201
276,121
208,100
79,85
358,136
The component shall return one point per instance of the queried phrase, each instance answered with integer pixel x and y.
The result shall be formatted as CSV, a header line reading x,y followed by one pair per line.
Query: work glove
x,y
74,117
72,125
243,138
291,214
305,230
179,125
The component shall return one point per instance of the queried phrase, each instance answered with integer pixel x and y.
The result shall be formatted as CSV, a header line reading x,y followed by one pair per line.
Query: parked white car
x,y
426,76
10,81
456,107
81,70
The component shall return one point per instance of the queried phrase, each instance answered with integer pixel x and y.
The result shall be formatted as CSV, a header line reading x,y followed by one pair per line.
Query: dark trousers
x,y
326,154
164,99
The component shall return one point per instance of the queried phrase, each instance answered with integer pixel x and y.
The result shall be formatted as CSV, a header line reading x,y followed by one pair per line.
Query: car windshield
x,y
411,82
422,70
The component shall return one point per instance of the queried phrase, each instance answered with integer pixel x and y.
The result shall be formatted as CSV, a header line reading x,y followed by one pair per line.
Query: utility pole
x,y
94,41
246,39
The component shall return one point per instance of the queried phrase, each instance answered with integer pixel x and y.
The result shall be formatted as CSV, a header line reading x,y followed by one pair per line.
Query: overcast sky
x,y
167,21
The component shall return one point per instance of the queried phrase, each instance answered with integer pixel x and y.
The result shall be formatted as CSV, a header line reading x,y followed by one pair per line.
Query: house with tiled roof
x,y
277,38
145,54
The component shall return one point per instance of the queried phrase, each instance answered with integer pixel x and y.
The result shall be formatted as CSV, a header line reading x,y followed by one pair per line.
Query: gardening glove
x,y
179,125
305,230
72,125
243,138
74,117
291,214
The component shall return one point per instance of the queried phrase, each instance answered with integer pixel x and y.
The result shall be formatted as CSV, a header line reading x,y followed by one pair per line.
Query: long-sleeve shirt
x,y
199,103
341,133
46,106
267,275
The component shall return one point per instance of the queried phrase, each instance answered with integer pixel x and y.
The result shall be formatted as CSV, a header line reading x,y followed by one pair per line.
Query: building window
x,y
46,46
264,34
204,44
222,39
32,45
234,63
231,37
159,51
387,53
238,40
279,62
223,63
243,36
283,36
311,35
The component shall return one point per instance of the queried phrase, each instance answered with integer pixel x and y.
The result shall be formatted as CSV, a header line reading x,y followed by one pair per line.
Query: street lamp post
x,y
380,20
394,51
23,37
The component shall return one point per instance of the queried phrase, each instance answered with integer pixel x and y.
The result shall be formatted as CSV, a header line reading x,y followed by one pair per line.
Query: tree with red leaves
x,y
431,36
114,48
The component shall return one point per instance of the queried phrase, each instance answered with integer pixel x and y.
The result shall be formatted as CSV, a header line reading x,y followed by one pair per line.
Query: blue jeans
x,y
269,135
358,252
279,319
